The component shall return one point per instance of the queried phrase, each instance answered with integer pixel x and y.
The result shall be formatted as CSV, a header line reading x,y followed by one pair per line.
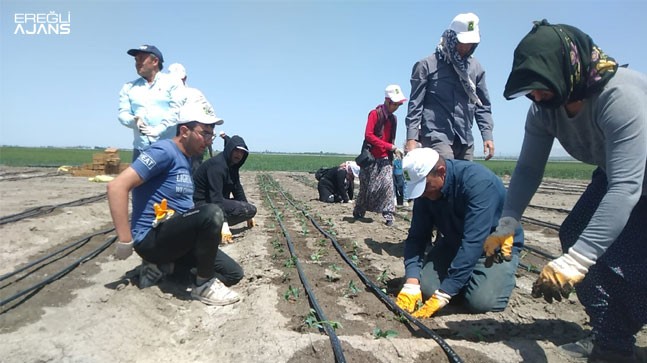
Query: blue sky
x,y
292,76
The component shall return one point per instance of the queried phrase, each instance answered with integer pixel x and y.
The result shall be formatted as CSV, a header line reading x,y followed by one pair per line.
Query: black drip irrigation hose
x,y
540,223
31,176
80,242
451,354
48,208
60,273
539,252
561,210
334,340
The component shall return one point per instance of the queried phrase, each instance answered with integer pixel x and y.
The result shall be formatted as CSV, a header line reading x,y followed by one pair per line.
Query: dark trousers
x,y
237,211
194,236
614,290
398,184
327,194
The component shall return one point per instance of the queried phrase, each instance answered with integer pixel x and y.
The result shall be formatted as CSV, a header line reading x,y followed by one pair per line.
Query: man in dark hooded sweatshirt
x,y
217,181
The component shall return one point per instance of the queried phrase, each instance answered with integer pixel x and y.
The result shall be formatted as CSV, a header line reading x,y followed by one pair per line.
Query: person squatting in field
x,y
166,228
217,181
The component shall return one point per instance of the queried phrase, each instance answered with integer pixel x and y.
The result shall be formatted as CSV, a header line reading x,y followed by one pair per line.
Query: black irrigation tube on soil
x,y
60,273
561,210
334,340
56,173
49,208
451,355
540,223
78,243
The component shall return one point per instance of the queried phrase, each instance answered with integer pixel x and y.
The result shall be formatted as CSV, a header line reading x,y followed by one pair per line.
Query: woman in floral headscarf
x,y
598,113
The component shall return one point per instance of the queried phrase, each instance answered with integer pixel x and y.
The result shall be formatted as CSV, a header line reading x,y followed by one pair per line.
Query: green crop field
x,y
55,157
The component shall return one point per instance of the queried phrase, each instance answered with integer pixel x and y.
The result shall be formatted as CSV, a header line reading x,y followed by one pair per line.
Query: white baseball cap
x,y
194,112
177,70
415,166
394,93
466,27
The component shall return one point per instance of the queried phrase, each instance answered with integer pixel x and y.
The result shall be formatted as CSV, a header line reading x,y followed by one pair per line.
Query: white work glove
x,y
226,235
123,250
558,278
152,131
139,121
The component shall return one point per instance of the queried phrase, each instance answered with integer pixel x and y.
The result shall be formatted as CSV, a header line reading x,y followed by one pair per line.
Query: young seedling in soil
x,y
312,322
316,256
383,278
291,262
352,290
322,242
292,294
379,333
332,273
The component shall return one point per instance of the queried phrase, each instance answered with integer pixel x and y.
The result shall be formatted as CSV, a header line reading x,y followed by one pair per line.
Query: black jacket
x,y
335,180
216,178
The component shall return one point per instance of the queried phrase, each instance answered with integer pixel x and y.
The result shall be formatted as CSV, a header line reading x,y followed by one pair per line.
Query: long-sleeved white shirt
x,y
158,103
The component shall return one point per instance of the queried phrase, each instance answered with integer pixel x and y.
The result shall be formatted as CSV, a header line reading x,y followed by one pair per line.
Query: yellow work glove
x,y
226,235
498,245
558,278
408,297
436,302
251,223
162,212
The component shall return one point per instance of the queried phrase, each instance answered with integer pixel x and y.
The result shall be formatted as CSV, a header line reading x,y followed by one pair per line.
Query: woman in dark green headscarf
x,y
598,113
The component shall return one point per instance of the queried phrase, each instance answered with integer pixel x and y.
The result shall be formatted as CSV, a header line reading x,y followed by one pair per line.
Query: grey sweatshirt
x,y
610,131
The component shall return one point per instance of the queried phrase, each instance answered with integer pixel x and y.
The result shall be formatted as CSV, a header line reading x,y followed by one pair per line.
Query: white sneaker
x,y
214,292
405,203
580,349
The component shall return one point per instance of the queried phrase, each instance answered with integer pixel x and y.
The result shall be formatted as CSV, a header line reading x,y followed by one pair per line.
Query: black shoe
x,y
357,215
600,355
389,222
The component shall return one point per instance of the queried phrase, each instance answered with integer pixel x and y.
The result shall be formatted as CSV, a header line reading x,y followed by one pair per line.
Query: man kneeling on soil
x,y
217,181
166,227
463,201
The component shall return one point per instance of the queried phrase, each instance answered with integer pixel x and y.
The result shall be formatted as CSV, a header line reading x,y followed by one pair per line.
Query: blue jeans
x,y
488,289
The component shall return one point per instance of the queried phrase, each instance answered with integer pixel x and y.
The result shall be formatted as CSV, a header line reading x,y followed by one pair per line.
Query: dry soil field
x,y
96,312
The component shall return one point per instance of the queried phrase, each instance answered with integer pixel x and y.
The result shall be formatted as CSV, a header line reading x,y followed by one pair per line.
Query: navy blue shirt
x,y
467,213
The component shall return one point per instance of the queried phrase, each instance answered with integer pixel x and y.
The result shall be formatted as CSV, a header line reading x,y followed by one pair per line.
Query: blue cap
x,y
147,49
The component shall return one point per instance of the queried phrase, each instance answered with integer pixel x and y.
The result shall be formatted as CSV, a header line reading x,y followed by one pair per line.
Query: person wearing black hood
x,y
217,181
596,110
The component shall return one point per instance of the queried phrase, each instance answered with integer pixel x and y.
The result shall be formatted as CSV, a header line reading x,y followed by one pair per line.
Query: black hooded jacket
x,y
216,178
